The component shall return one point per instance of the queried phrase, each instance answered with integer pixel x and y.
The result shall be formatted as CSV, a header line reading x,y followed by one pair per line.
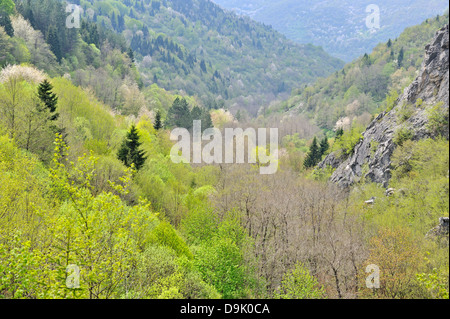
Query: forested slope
x,y
357,92
87,181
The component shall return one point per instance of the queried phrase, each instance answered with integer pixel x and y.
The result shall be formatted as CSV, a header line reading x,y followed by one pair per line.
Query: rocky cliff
x,y
372,155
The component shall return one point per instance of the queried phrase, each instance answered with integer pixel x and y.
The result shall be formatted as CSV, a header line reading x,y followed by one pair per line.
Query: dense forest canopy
x,y
87,181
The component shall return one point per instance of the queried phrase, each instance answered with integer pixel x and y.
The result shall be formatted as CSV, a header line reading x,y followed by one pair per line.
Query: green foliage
x,y
129,153
48,98
405,112
438,120
401,56
314,155
299,284
402,135
360,88
303,22
324,146
165,235
179,114
391,100
158,121
436,283
345,145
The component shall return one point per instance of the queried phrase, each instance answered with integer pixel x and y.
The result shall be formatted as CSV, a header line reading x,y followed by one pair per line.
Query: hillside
x,y
353,95
338,26
420,113
195,47
93,206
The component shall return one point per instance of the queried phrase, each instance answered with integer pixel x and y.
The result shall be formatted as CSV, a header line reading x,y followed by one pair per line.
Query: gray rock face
x,y
441,230
372,156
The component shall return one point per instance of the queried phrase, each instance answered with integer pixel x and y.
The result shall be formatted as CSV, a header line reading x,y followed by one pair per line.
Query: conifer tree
x,y
313,156
49,98
53,41
129,153
324,147
401,56
158,121
6,9
196,113
206,120
179,114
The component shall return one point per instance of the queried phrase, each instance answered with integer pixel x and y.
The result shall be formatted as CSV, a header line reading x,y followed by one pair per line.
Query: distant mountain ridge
x,y
338,26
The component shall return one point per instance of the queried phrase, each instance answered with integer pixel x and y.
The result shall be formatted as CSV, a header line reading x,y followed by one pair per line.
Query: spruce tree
x,y
53,41
196,113
179,114
5,22
158,121
206,120
401,56
129,153
6,10
324,147
313,156
49,98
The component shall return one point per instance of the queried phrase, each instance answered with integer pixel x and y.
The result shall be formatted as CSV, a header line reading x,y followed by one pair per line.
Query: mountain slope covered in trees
x,y
338,26
195,47
87,183
353,95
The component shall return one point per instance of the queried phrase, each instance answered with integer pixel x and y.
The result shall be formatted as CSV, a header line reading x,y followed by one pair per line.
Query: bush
x,y
299,284
402,135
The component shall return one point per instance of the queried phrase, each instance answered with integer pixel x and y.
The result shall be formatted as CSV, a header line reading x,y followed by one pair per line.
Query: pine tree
x,y
49,99
6,10
401,56
203,66
130,54
179,114
206,120
339,132
158,121
53,41
313,156
5,22
389,43
129,153
196,113
324,147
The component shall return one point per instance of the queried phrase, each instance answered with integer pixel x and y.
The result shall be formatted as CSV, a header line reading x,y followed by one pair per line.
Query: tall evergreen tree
x,y
179,114
389,43
206,120
53,41
401,56
130,54
196,113
158,121
6,9
129,153
313,156
324,146
49,99
5,22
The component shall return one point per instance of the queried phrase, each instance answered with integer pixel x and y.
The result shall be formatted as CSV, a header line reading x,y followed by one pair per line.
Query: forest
x,y
86,176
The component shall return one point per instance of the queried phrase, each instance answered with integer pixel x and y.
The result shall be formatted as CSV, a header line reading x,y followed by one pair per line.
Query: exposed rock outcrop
x,y
372,155
441,230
